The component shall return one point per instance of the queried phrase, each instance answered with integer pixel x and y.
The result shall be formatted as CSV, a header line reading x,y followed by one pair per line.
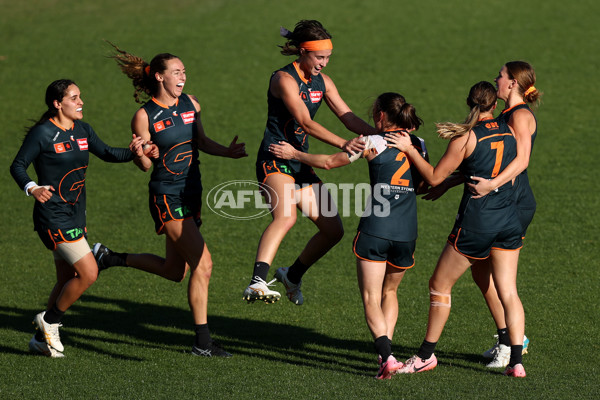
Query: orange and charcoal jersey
x,y
172,129
281,125
496,147
523,194
60,158
391,211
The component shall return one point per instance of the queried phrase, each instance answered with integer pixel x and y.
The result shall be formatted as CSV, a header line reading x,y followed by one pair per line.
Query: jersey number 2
x,y
397,177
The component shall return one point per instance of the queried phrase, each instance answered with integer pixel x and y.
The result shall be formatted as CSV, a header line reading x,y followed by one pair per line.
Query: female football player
x,y
171,120
58,145
515,86
485,227
295,93
385,242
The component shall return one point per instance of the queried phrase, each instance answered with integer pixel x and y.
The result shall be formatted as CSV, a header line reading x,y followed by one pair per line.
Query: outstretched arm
x,y
209,146
286,151
451,159
435,192
339,107
283,86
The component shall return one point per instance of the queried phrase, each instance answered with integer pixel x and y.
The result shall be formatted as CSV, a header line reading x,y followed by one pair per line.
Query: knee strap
x,y
438,299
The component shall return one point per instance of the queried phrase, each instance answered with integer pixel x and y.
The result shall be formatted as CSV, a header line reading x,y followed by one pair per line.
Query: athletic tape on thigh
x,y
72,252
438,299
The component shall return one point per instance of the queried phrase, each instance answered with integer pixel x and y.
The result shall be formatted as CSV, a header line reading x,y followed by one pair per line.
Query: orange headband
x,y
316,45
530,90
147,70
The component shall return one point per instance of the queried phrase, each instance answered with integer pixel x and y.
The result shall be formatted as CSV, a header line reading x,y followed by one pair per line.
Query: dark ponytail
x,y
398,112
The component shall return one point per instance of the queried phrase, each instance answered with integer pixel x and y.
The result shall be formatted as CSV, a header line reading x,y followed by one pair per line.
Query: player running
x,y
171,120
59,146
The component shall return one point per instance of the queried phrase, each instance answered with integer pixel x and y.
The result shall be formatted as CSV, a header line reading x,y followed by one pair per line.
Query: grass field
x,y
129,335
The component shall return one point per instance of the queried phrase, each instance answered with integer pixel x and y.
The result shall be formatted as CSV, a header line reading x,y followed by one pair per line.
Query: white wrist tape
x,y
33,187
31,184
369,144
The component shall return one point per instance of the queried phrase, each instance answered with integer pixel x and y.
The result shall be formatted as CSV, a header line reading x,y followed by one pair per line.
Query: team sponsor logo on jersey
x,y
62,147
316,96
164,124
492,125
157,114
188,117
83,144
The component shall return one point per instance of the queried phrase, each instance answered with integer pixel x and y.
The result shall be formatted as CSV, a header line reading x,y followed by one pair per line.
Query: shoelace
x,y
53,329
258,279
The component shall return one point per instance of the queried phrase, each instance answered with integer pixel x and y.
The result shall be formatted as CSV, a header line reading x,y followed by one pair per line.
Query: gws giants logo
x,y
71,185
179,158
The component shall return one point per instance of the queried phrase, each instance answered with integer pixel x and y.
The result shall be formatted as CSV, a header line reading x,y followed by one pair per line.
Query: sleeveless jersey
x,y
281,125
496,147
391,211
60,158
172,129
523,193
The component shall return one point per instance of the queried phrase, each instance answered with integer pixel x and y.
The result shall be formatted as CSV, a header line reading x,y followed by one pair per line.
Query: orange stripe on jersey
x,y
494,135
57,125
508,109
300,73
164,105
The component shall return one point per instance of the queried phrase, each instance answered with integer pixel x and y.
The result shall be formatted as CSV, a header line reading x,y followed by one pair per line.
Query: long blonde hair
x,y
482,98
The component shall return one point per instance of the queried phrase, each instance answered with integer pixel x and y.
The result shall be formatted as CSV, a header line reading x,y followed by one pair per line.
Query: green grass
x,y
127,337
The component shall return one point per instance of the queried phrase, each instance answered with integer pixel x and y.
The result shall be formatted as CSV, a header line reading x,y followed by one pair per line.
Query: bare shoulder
x,y
140,114
281,83
139,123
281,78
195,101
522,113
326,77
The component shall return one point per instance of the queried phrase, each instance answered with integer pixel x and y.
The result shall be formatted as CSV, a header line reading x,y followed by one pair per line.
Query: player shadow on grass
x,y
151,326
